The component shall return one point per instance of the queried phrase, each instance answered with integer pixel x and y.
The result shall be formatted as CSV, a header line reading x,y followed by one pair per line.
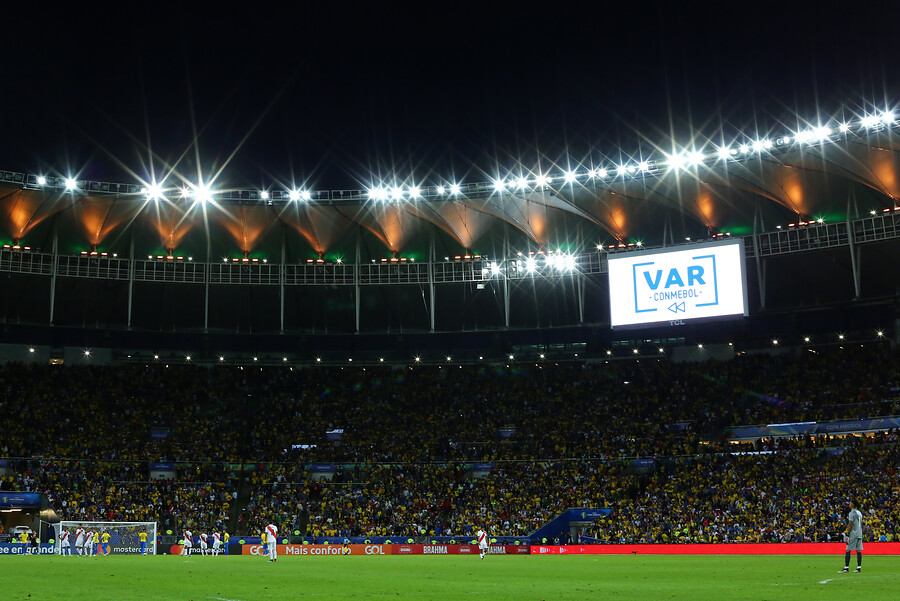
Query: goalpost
x,y
124,537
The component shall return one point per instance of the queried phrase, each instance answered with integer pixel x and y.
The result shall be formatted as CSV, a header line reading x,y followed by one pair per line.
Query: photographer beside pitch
x,y
853,535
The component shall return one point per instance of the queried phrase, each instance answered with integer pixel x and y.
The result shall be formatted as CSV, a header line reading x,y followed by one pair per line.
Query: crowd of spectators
x,y
556,436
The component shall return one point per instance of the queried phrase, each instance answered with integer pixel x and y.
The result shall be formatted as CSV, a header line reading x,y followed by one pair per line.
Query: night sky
x,y
326,96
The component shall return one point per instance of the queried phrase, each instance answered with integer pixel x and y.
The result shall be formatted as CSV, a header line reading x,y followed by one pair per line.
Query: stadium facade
x,y
514,263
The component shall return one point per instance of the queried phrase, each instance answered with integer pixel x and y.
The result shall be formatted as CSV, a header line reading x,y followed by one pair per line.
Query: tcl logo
x,y
374,550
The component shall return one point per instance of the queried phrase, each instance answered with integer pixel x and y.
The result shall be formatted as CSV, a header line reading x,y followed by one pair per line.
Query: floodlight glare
x,y
294,195
888,117
440,190
695,157
569,177
644,166
305,195
568,262
154,191
759,146
541,180
71,184
397,193
264,194
744,149
676,161
454,189
602,172
495,269
203,193
869,121
499,185
823,132
530,265
41,180
521,183
621,170
414,192
724,152
843,128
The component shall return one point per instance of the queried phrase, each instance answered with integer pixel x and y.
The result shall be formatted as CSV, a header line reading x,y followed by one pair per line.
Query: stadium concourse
x,y
433,451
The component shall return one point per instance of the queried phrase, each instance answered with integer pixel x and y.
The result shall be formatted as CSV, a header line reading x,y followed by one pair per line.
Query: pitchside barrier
x,y
20,549
716,549
394,549
404,549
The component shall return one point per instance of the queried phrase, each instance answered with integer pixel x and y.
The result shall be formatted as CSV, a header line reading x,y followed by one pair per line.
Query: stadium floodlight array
x,y
742,148
124,537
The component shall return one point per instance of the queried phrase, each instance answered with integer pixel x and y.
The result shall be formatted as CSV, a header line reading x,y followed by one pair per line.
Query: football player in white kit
x,y
62,543
204,543
481,537
272,540
187,543
217,543
79,541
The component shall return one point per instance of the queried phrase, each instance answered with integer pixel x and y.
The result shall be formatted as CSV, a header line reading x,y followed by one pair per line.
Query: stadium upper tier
x,y
751,184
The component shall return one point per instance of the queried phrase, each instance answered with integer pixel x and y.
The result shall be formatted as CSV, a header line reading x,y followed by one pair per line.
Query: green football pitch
x,y
496,578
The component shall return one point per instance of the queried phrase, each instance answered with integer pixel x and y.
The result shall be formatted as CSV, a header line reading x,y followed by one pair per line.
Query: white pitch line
x,y
223,599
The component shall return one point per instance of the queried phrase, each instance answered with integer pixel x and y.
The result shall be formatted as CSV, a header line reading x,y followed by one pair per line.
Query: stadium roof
x,y
827,172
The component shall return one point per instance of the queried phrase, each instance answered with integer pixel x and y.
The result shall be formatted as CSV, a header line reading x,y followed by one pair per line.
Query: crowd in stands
x,y
556,436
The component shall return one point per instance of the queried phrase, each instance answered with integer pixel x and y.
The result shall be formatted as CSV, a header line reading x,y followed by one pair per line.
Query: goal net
x,y
124,537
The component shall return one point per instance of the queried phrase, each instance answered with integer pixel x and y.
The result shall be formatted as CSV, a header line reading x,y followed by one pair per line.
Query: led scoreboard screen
x,y
659,286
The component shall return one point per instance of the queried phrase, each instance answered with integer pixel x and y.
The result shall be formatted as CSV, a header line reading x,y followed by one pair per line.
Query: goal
x,y
124,537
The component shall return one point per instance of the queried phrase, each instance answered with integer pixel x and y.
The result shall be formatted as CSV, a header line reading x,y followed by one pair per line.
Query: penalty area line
x,y
223,599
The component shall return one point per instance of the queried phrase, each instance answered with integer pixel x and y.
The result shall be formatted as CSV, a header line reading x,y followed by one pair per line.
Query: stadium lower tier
x,y
793,495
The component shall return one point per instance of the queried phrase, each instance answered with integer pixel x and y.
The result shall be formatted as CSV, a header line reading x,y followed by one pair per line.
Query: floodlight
x,y
440,190
305,195
631,169
521,183
454,189
602,172
221,358
676,161
569,176
695,157
397,193
499,185
724,152
567,262
530,264
887,117
823,132
414,191
644,166
541,180
869,121
592,173
495,269
744,149
87,353
294,195
71,184
621,170
203,193
154,191
759,146
41,180
843,128
264,194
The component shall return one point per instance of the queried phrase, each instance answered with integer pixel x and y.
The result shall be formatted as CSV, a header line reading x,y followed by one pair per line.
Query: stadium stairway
x,y
563,523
